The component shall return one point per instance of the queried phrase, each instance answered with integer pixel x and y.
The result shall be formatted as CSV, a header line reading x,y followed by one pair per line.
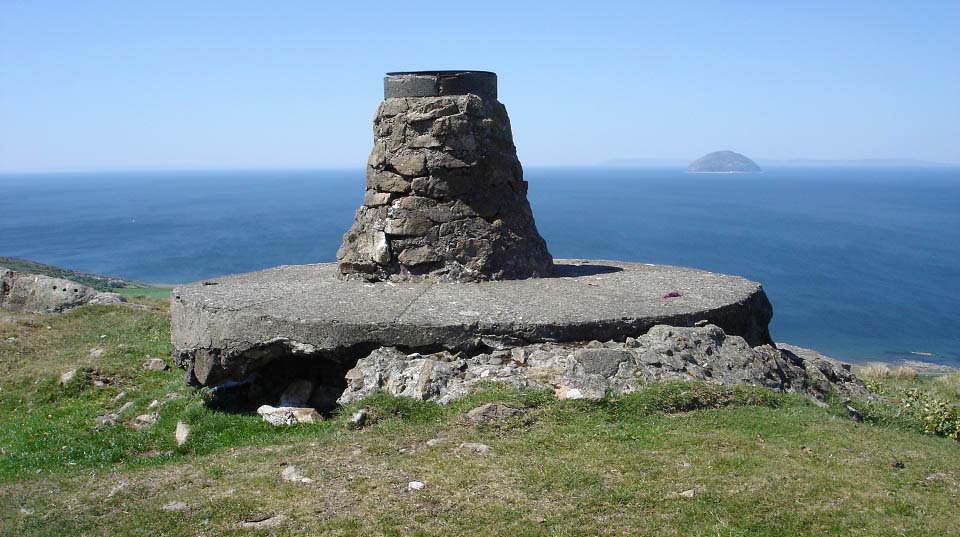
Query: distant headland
x,y
723,162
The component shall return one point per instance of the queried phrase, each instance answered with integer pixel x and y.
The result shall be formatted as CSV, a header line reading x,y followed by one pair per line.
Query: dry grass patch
x,y
881,372
949,385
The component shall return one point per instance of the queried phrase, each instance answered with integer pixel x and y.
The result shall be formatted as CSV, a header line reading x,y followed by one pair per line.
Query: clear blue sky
x,y
133,85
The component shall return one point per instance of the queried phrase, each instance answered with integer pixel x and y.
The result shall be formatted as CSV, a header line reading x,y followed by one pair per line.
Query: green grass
x,y
161,293
758,462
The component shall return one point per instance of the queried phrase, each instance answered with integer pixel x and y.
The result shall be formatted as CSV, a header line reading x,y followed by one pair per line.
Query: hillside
x,y
98,282
98,456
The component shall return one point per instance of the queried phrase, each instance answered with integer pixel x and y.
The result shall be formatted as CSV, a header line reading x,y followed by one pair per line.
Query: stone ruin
x,y
445,196
443,282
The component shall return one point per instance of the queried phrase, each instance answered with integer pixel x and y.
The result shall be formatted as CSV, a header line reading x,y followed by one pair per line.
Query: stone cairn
x,y
446,202
445,196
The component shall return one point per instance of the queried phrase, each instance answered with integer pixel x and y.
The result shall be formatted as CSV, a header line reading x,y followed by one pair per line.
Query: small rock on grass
x,y
182,433
289,415
175,506
155,364
416,485
476,447
116,488
492,412
689,493
96,353
67,377
293,474
107,420
145,420
359,418
262,521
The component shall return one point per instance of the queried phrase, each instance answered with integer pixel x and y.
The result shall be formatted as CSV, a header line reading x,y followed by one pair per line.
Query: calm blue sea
x,y
859,264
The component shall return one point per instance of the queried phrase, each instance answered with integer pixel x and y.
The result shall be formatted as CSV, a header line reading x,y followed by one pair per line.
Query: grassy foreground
x,y
674,459
162,293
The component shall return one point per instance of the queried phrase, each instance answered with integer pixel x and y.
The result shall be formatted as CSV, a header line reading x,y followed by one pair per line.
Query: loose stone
x,y
182,433
476,447
359,418
262,521
145,420
155,364
854,414
67,377
288,415
293,474
107,420
491,412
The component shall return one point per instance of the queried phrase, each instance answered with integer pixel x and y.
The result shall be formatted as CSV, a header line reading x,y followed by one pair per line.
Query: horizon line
x,y
627,162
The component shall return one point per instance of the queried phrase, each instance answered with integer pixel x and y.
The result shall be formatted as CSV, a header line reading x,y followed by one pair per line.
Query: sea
x,y
860,264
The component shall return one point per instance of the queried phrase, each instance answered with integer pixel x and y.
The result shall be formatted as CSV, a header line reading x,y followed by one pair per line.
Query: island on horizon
x,y
723,162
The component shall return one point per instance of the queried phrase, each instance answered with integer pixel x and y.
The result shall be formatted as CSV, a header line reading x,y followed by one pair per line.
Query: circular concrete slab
x,y
221,328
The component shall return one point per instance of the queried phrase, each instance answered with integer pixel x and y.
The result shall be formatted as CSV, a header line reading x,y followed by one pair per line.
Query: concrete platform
x,y
225,328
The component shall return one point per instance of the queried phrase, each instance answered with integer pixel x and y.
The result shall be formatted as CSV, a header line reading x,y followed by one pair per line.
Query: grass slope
x,y
161,293
757,463
98,282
